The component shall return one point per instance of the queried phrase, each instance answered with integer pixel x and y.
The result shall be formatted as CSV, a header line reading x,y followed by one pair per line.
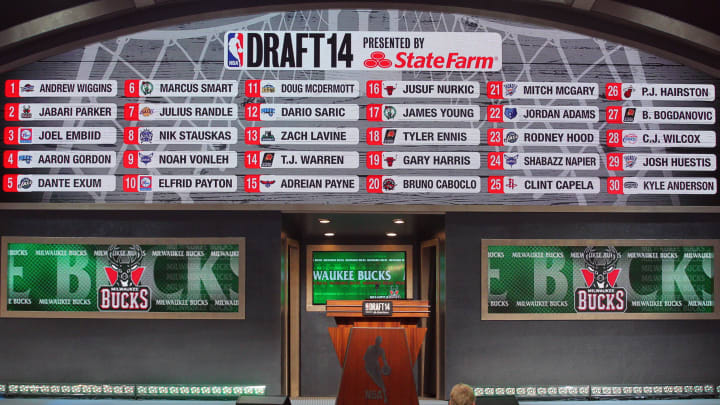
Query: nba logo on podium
x,y
234,45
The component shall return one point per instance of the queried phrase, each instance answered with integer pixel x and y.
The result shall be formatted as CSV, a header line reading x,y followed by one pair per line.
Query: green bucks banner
x,y
358,275
599,279
123,277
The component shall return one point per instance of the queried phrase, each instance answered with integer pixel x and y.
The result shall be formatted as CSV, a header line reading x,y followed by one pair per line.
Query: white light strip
x,y
199,390
128,390
576,391
653,390
536,391
71,389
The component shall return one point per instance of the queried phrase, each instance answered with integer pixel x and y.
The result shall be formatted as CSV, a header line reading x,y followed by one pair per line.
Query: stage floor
x,y
330,401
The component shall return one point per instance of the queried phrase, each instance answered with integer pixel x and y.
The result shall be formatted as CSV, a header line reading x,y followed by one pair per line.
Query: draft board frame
x,y
309,249
485,315
239,241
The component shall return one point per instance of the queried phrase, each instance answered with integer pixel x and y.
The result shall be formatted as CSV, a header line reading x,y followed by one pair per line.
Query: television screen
x,y
358,275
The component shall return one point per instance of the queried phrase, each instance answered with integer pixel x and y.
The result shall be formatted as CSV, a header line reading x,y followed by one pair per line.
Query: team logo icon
x,y
267,183
388,184
511,160
25,135
390,160
377,59
27,159
26,112
146,111
269,111
145,158
630,139
267,136
146,87
145,183
390,134
509,89
510,113
600,275
389,112
27,88
125,292
510,183
390,89
267,160
630,161
146,135
511,137
629,115
234,45
630,184
268,88
628,92
25,183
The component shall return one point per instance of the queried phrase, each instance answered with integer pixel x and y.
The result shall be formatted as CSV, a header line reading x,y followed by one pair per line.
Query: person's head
x,y
462,394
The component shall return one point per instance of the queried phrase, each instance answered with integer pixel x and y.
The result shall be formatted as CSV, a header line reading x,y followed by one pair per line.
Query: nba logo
x,y
234,45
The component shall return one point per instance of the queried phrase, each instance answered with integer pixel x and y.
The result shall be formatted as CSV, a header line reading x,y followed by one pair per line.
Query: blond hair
x,y
462,394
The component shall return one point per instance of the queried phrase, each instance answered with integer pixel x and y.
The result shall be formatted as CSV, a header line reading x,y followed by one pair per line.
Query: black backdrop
x,y
248,351
153,351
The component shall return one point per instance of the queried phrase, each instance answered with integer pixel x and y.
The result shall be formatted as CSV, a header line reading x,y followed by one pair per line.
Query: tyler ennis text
x,y
439,136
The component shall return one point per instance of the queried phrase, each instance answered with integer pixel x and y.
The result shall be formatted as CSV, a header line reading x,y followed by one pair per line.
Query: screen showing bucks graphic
x,y
358,275
122,277
599,279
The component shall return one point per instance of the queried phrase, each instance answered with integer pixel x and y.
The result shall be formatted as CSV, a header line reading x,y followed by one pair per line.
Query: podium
x,y
377,349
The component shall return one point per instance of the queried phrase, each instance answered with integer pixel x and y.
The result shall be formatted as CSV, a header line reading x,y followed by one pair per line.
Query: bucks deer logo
x,y
124,273
600,271
600,275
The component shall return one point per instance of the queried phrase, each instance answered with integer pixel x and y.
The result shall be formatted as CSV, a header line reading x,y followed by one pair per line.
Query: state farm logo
x,y
431,61
378,59
600,276
234,49
124,273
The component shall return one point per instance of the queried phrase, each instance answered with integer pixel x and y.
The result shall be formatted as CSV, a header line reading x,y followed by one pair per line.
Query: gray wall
x,y
569,352
153,351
